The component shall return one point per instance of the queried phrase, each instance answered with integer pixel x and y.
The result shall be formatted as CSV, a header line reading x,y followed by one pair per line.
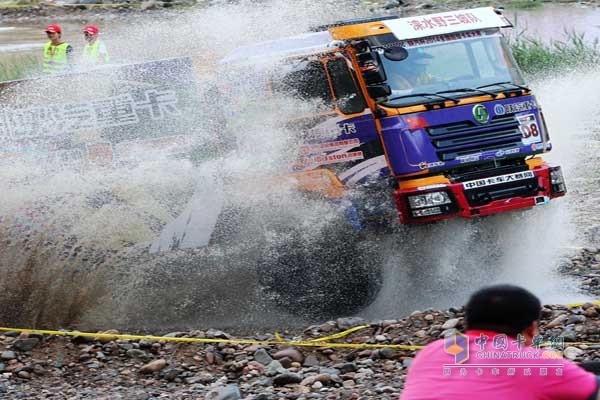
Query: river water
x,y
548,22
521,248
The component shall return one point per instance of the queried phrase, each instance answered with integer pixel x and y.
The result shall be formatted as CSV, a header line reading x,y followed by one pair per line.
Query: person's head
x,y
53,32
90,33
505,309
418,61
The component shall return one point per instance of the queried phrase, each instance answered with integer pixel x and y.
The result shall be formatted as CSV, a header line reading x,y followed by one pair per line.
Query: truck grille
x,y
485,195
465,137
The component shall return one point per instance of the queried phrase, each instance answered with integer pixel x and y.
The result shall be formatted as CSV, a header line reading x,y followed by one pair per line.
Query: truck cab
x,y
434,106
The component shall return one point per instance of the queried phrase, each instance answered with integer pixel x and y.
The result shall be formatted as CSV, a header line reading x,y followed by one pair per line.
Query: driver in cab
x,y
412,72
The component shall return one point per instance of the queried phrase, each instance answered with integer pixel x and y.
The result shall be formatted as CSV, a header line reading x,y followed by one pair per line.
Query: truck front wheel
x,y
331,274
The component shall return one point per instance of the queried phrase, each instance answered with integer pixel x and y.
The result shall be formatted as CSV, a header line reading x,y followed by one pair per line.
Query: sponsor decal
x,y
435,186
468,158
497,180
347,128
329,146
499,109
481,114
116,111
522,106
440,39
502,153
332,159
426,165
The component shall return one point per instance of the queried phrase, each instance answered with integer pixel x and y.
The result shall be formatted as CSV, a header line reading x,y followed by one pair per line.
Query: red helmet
x,y
91,29
53,29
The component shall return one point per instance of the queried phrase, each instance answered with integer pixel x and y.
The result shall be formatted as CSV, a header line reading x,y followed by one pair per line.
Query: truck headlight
x,y
557,181
431,199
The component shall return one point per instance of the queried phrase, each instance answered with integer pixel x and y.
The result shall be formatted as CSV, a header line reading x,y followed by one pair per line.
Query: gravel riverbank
x,y
34,366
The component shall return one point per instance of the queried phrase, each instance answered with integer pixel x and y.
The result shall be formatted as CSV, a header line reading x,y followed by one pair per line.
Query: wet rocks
x,y
8,355
26,344
153,366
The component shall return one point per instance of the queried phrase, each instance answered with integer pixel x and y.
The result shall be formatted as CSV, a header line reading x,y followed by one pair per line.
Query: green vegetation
x,y
535,56
524,4
18,66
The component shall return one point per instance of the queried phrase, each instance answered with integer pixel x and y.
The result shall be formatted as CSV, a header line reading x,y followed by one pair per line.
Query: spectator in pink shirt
x,y
499,357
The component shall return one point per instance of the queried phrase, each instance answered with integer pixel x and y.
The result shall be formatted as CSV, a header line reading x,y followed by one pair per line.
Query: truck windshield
x,y
456,68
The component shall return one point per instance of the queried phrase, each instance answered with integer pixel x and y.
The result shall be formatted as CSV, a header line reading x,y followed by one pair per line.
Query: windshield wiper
x,y
470,90
424,95
504,83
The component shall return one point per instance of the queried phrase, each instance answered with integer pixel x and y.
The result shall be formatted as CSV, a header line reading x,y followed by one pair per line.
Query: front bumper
x,y
487,196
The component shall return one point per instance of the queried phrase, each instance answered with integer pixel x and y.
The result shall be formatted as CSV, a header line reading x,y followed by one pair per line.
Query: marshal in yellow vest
x,y
56,58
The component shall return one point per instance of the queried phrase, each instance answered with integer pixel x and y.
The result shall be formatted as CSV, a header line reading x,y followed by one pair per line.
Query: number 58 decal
x,y
529,129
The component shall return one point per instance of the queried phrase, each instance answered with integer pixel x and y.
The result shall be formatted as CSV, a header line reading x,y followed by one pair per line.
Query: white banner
x,y
446,22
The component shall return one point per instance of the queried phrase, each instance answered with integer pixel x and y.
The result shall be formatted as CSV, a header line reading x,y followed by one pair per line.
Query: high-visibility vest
x,y
55,58
91,53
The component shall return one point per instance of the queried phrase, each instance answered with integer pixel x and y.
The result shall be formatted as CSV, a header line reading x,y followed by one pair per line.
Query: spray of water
x,y
80,255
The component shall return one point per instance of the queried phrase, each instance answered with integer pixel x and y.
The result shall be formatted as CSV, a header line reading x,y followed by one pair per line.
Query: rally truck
x,y
433,108
418,119
422,118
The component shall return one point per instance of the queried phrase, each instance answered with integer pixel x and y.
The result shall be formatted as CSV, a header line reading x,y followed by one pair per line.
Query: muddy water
x,y
552,20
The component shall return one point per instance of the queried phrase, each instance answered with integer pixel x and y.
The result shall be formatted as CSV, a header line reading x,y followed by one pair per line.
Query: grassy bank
x,y
535,57
18,66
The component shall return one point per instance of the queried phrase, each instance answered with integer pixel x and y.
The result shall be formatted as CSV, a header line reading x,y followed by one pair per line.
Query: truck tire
x,y
332,274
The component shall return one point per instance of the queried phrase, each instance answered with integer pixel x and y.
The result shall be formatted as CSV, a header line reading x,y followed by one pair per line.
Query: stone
x,y
136,353
274,368
24,375
265,396
346,367
170,374
214,333
386,353
262,357
451,323
311,361
8,355
229,392
107,339
572,352
575,319
286,362
350,322
153,366
569,335
287,378
25,344
293,354
558,321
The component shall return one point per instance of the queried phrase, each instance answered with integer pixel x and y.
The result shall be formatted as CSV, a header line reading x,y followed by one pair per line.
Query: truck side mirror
x,y
379,91
396,53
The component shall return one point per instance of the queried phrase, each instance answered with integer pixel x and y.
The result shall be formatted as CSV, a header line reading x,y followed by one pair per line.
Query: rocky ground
x,y
34,366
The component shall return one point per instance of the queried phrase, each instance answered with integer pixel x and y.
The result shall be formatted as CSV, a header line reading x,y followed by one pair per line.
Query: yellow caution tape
x,y
14,6
340,334
113,336
8,6
580,304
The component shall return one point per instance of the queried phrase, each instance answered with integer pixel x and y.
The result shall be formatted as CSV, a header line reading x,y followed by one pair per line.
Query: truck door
x,y
343,137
